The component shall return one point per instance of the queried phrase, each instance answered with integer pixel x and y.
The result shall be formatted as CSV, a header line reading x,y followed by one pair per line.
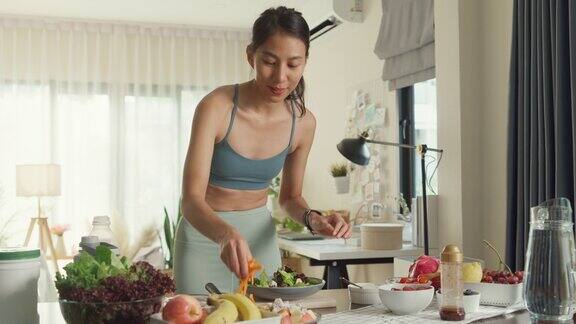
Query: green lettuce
x,y
262,281
289,278
88,271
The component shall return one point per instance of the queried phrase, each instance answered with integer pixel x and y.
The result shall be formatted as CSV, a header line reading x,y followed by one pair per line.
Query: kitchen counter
x,y
50,312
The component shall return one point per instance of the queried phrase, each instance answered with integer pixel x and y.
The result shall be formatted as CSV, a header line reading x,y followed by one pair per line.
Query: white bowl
x,y
405,302
497,294
367,295
471,303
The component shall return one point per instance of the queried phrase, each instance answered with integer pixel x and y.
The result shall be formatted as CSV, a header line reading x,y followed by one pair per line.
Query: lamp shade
x,y
355,150
36,180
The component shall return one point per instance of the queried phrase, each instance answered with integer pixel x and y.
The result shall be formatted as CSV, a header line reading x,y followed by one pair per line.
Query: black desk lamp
x,y
356,150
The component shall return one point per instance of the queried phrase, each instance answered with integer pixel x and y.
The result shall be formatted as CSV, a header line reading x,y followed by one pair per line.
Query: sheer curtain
x,y
112,104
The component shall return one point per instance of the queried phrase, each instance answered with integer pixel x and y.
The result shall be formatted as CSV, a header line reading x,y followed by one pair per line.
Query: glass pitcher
x,y
550,261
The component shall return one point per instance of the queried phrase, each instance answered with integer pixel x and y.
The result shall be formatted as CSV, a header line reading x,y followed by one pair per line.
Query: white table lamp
x,y
39,180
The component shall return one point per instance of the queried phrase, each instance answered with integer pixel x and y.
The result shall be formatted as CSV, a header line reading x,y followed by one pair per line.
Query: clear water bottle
x,y
101,229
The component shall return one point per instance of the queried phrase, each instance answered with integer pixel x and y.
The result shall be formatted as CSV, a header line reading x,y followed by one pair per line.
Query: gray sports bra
x,y
232,170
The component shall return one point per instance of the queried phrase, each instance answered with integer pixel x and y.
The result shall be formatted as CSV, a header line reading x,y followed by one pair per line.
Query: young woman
x,y
242,136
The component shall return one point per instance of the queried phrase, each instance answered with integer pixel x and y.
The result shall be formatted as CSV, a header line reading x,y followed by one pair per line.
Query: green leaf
x,y
107,257
81,273
263,280
287,277
103,255
168,229
179,214
292,225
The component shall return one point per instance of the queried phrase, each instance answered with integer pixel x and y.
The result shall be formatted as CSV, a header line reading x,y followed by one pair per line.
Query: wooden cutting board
x,y
310,302
315,301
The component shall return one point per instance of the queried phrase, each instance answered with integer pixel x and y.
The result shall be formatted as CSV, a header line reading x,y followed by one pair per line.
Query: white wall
x,y
496,29
472,59
339,61
447,51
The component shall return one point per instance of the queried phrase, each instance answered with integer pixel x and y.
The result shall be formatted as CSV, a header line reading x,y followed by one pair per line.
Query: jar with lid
x,y
19,274
101,229
451,281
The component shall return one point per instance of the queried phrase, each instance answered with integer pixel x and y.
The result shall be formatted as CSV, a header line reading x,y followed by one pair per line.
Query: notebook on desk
x,y
293,236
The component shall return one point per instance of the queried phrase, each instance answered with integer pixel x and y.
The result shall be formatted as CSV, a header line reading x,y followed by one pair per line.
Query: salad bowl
x,y
286,284
285,293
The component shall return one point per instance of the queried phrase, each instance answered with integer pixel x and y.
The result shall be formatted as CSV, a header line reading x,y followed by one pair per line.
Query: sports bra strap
x,y
233,114
293,122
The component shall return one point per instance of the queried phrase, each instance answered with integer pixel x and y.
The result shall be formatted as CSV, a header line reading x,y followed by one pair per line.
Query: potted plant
x,y
287,224
170,233
340,173
403,208
273,193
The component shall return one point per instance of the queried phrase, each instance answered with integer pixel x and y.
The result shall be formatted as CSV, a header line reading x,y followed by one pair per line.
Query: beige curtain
x,y
112,103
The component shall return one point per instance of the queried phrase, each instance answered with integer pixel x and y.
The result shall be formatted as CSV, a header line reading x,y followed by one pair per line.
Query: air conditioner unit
x,y
341,11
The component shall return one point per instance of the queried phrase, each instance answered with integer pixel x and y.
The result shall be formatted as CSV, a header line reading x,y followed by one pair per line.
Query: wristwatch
x,y
306,218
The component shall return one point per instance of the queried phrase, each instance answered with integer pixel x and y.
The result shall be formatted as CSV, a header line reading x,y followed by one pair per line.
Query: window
x,y
417,125
20,141
81,141
121,150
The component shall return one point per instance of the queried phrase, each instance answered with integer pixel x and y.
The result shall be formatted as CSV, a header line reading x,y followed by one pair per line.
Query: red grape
x,y
502,277
411,288
513,280
487,279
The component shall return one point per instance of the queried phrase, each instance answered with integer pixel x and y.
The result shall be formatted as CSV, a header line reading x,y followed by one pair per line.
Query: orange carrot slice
x,y
253,266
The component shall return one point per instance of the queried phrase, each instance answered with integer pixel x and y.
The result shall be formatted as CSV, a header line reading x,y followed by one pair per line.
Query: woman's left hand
x,y
330,225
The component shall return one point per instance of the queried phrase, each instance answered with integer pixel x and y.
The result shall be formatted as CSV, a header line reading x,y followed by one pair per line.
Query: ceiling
x,y
221,13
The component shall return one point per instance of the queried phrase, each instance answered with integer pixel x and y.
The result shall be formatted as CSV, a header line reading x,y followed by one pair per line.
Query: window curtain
x,y
542,114
406,42
112,103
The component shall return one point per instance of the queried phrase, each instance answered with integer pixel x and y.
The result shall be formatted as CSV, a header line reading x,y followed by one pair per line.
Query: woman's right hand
x,y
235,253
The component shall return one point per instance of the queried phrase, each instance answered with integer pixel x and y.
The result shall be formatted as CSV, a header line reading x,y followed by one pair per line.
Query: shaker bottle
x,y
452,307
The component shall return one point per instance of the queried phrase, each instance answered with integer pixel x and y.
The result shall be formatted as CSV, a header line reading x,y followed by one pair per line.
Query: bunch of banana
x,y
246,307
225,312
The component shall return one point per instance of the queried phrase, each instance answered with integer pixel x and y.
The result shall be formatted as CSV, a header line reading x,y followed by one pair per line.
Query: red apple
x,y
183,309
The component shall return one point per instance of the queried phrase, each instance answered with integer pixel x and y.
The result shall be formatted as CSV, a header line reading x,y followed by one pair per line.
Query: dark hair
x,y
291,22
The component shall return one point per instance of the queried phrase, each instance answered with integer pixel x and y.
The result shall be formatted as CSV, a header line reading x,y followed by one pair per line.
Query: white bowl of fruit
x,y
499,288
496,287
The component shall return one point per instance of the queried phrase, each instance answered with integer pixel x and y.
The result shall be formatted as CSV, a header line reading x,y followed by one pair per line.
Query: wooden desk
x,y
335,255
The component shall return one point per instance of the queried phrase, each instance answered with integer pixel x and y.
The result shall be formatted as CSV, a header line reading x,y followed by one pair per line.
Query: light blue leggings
x,y
197,259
